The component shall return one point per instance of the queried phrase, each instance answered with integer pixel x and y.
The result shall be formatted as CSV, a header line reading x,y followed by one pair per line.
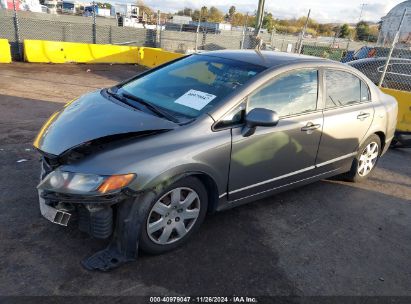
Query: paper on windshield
x,y
195,99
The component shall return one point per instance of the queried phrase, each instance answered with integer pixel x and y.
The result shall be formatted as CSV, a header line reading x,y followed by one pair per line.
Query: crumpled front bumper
x,y
54,215
94,214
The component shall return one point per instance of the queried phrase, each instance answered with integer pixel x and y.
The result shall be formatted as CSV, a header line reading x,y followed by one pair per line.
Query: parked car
x,y
397,77
363,52
398,74
143,162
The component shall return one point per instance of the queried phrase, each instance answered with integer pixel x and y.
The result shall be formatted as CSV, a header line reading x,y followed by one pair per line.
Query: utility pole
x,y
362,9
259,17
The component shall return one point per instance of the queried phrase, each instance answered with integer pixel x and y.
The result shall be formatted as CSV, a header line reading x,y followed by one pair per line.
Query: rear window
x,y
192,85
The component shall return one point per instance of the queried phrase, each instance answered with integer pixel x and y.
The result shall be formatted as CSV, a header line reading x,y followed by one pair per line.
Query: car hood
x,y
91,117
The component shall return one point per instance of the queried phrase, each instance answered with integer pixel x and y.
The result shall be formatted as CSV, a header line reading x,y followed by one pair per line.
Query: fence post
x,y
64,32
204,39
198,29
17,30
158,29
272,38
94,23
300,44
242,39
244,31
394,42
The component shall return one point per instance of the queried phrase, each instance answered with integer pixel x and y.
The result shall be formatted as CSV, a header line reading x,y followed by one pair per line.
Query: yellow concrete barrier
x,y
5,53
152,57
64,52
404,108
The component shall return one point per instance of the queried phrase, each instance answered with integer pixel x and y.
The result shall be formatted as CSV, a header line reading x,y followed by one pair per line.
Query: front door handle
x,y
310,127
363,116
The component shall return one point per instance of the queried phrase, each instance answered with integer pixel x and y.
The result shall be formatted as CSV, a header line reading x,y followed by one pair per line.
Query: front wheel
x,y
174,216
366,159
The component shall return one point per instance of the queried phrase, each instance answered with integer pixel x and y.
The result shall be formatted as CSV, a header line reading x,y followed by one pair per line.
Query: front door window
x,y
289,94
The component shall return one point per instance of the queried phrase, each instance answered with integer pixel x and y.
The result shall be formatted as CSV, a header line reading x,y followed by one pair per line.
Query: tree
x,y
231,12
204,13
325,30
103,5
215,15
268,22
363,30
344,31
238,19
185,12
195,15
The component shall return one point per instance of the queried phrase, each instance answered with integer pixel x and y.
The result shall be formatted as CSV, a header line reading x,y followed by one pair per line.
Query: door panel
x,y
273,155
348,114
343,130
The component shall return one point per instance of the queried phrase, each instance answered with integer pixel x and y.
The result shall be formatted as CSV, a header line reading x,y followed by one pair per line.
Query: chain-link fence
x,y
39,26
388,66
397,68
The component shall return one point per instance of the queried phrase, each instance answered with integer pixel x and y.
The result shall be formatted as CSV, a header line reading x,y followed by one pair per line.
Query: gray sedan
x,y
145,161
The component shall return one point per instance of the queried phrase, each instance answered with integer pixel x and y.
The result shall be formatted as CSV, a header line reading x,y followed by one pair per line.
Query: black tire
x,y
353,175
147,244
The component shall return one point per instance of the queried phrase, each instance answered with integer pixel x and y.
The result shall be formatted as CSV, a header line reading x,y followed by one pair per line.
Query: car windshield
x,y
193,85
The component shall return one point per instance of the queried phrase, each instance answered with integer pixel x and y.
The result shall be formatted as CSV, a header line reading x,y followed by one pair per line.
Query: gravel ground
x,y
327,238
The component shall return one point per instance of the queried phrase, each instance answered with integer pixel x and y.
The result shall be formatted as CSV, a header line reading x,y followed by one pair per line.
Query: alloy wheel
x,y
368,158
173,215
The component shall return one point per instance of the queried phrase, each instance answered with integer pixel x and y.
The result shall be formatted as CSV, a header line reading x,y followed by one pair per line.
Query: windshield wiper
x,y
120,98
151,107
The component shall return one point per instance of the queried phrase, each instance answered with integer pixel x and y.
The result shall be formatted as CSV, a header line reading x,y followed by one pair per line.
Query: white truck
x,y
52,6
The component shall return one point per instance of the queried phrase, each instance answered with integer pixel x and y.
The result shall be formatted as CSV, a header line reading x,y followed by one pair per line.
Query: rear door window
x,y
343,89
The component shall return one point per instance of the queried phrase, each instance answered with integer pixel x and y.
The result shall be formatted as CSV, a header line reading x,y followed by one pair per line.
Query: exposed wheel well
x,y
381,135
212,190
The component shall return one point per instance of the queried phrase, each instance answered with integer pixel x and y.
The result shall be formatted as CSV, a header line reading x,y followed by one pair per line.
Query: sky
x,y
321,10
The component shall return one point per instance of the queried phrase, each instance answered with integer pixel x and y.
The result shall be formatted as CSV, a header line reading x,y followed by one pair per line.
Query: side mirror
x,y
259,117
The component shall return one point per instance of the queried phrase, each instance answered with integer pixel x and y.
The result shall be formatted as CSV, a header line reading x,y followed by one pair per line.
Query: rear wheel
x,y
174,216
365,160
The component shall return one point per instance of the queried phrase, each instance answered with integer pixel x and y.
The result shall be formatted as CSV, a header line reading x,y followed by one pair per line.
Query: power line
x,y
362,8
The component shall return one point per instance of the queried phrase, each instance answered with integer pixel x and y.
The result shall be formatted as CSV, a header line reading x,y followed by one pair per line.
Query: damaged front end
x,y
102,210
93,209
100,215
99,204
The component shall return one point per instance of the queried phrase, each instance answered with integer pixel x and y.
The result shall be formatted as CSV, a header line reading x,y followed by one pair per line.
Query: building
x,y
391,22
213,26
8,4
176,19
125,9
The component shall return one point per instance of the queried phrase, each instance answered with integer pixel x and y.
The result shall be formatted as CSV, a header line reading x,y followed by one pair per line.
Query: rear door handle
x,y
363,116
310,127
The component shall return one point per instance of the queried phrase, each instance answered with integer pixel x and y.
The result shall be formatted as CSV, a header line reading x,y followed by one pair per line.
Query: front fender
x,y
159,159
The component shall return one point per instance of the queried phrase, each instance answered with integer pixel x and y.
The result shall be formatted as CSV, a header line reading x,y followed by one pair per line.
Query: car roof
x,y
264,58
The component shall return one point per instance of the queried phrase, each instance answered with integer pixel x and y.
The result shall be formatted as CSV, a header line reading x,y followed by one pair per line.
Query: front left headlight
x,y
78,183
